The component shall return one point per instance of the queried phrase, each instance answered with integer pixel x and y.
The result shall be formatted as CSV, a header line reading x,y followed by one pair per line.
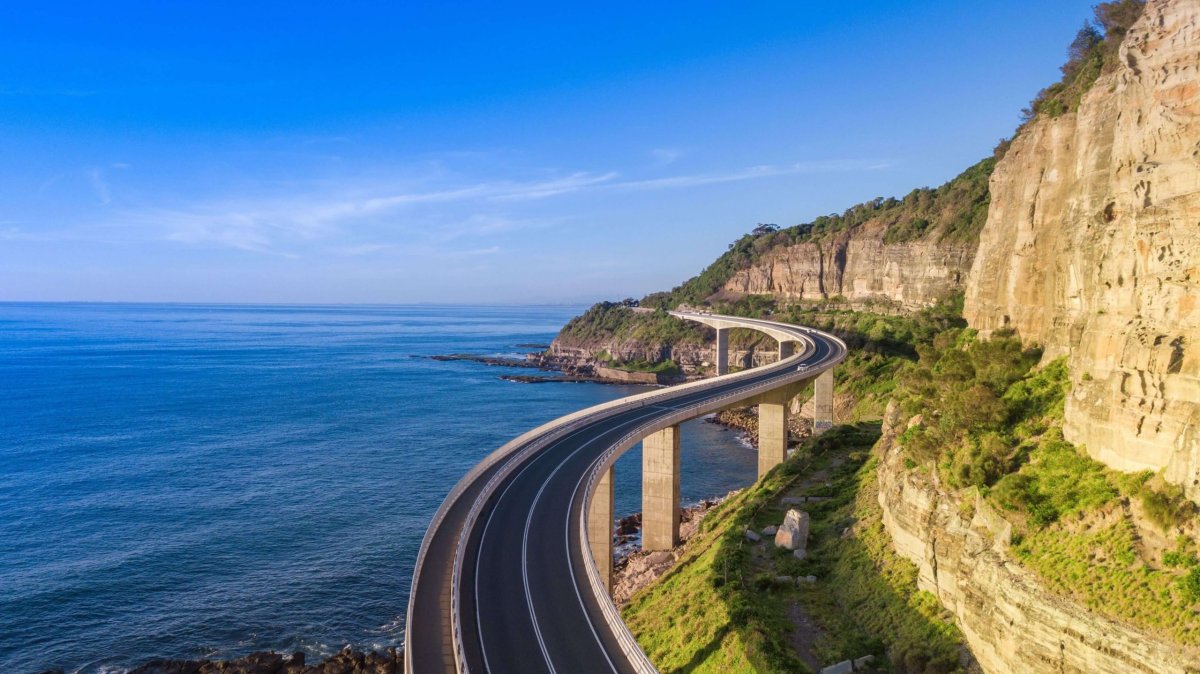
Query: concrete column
x,y
823,402
722,351
660,489
772,431
786,349
600,527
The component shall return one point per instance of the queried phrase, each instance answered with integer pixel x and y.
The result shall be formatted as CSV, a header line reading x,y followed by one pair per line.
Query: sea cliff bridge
x,y
515,571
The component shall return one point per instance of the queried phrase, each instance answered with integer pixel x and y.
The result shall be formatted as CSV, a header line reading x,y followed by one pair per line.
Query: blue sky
x,y
474,152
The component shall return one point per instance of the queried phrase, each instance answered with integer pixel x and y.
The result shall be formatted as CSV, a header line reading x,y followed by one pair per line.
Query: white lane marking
x,y
567,536
487,524
570,562
483,537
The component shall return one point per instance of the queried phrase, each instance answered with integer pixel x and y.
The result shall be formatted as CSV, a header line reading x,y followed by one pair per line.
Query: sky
x,y
474,152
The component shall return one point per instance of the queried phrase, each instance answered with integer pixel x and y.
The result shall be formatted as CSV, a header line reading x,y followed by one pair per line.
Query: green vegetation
x,y
1092,53
660,367
721,610
1166,506
613,321
955,211
1101,568
990,422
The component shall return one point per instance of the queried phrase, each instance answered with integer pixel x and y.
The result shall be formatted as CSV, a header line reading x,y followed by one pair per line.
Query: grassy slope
x,y
992,423
720,610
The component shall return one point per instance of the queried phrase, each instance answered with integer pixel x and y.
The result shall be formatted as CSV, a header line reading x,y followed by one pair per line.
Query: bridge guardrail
x,y
629,645
514,452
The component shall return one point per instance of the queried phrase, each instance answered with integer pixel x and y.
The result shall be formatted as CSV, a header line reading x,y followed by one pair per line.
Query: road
x,y
524,602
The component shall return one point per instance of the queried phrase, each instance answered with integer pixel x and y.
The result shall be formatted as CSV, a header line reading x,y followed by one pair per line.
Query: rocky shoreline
x,y
346,661
636,568
569,373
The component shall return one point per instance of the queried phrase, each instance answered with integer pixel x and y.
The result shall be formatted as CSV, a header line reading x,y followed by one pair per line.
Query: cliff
x,y
858,265
1010,620
906,253
1091,249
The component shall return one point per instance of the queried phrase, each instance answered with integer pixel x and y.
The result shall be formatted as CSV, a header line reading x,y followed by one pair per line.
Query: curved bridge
x,y
515,570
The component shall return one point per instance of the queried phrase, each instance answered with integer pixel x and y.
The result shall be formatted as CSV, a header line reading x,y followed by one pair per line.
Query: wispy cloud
x,y
751,173
99,186
355,219
664,156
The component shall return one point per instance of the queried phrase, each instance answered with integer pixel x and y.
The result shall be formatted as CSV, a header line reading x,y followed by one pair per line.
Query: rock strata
x,y
1011,622
857,265
1091,248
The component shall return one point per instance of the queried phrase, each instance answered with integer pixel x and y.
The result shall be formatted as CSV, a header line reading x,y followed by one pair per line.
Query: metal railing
x,y
629,645
514,452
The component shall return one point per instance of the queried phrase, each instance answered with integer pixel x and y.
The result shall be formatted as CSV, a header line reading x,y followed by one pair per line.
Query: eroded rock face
x,y
1092,248
858,265
1011,622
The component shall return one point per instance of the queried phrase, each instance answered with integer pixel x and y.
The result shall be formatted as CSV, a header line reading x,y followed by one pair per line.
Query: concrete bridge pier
x,y
772,430
722,351
786,349
660,489
823,402
600,527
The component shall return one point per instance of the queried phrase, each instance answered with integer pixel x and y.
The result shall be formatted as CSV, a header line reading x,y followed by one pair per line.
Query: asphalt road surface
x,y
525,604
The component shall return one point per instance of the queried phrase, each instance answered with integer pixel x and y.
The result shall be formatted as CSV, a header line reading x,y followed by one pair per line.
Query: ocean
x,y
194,481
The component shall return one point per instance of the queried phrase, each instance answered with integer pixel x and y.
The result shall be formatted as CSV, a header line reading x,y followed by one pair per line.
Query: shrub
x,y
1092,52
1166,508
1189,585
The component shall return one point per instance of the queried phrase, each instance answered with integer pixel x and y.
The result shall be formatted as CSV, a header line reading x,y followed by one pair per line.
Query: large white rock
x,y
843,667
793,533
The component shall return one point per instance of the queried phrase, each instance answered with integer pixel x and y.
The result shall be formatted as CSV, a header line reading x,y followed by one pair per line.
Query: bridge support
x,y
600,527
786,349
823,402
660,489
722,351
772,430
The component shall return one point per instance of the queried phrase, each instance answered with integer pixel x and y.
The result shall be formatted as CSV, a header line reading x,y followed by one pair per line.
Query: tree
x,y
1117,17
1086,40
765,228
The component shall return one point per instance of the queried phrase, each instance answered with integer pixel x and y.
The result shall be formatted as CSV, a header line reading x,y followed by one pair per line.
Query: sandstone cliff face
x,y
859,266
569,354
1092,248
1011,622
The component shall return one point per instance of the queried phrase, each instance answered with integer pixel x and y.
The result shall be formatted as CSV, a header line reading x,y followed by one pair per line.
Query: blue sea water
x,y
188,480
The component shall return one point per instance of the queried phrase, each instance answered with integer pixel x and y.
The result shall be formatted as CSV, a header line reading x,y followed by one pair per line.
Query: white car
x,y
802,368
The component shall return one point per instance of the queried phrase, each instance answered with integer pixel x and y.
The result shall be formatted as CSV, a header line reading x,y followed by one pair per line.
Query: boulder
x,y
752,536
793,534
843,667
770,531
861,663
800,554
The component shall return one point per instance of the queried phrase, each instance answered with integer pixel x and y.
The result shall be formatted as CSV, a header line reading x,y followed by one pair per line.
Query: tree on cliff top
x,y
1091,53
953,212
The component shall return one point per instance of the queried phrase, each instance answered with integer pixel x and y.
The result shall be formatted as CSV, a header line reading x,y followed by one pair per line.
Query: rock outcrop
x,y
1092,249
793,533
1011,622
570,355
346,661
856,264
